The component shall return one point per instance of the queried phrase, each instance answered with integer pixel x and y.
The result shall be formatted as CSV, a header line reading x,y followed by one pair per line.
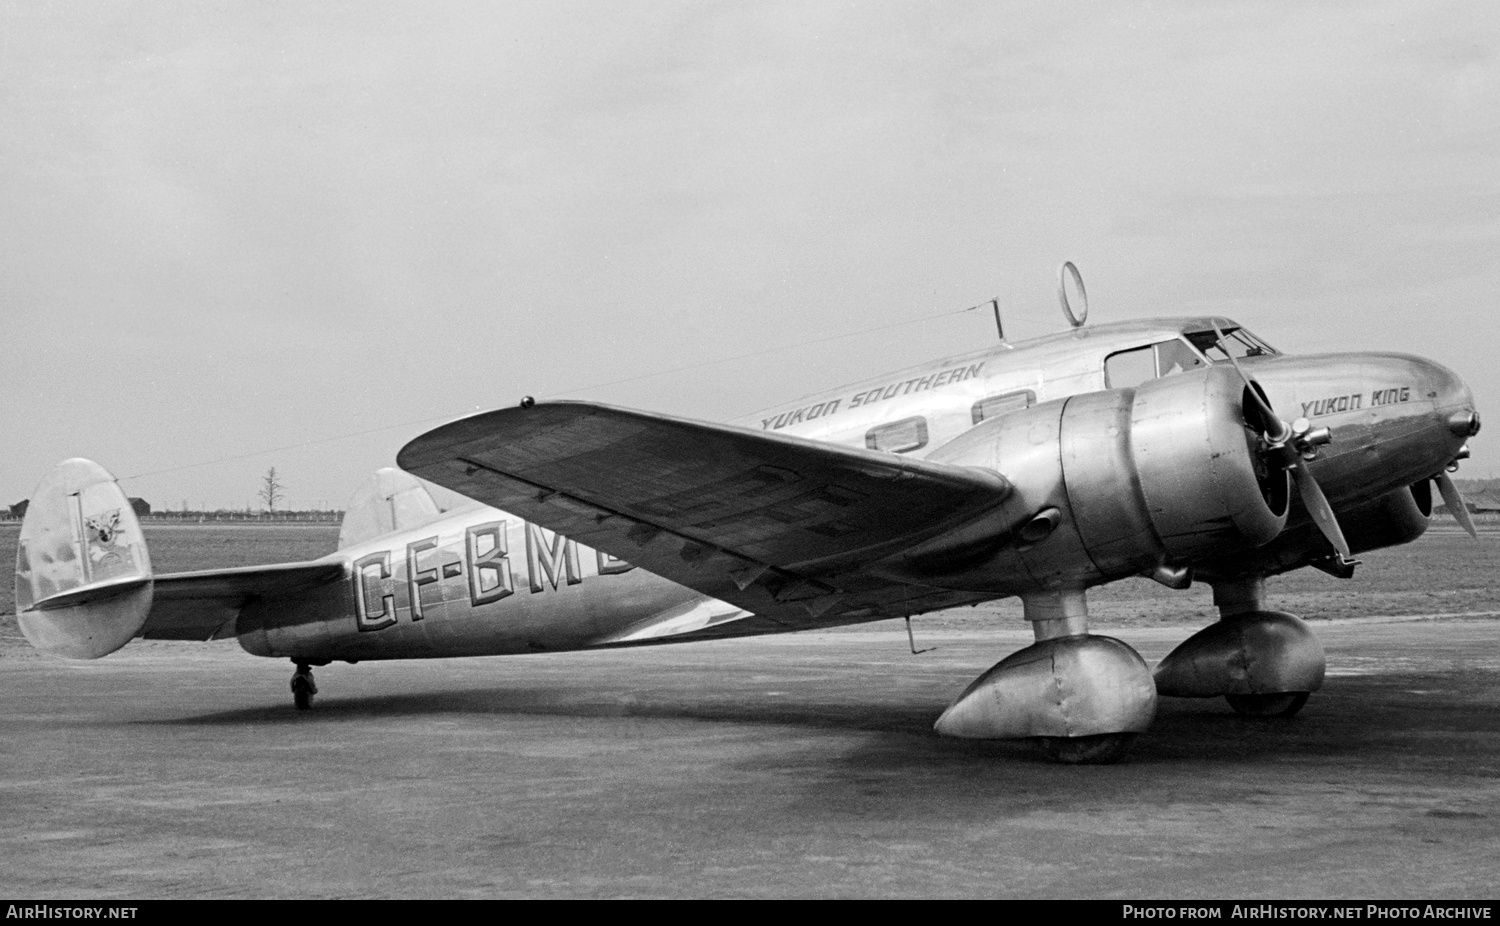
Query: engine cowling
x,y
1110,484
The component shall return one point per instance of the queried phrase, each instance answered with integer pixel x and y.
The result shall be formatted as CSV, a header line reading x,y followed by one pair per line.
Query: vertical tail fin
x,y
388,501
83,575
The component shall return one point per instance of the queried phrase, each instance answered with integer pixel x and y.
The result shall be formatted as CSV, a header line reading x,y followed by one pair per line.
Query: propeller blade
x,y
1317,505
1455,503
1313,498
1269,419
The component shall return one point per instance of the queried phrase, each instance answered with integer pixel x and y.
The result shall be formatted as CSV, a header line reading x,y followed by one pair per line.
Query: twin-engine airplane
x,y
1038,470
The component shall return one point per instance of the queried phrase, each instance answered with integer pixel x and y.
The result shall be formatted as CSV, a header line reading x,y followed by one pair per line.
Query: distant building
x,y
139,505
1488,500
1481,501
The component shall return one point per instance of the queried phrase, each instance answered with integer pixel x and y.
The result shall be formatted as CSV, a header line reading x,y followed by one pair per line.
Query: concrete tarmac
x,y
795,766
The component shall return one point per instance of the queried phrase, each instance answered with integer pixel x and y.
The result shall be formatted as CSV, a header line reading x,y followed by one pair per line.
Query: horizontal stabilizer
x,y
204,605
89,594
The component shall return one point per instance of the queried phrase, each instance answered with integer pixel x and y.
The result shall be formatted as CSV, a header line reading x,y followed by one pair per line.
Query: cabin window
x,y
996,405
1143,364
902,436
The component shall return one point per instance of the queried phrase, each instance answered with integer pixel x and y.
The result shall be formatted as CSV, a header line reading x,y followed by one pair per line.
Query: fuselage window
x,y
902,436
996,405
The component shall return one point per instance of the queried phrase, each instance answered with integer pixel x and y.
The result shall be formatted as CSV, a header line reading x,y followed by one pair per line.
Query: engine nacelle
x,y
1110,484
1392,519
1389,520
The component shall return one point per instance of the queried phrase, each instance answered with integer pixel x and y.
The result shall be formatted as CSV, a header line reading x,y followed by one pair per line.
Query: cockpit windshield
x,y
1136,365
1237,343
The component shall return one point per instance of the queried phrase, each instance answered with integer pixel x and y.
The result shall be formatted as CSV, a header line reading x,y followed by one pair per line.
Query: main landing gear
x,y
303,686
1264,663
1084,698
1081,698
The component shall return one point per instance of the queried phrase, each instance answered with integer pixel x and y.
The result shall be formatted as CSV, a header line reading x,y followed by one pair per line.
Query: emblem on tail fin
x,y
109,555
104,528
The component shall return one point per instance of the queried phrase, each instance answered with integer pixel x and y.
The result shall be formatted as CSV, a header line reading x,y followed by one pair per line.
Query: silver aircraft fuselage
x,y
477,581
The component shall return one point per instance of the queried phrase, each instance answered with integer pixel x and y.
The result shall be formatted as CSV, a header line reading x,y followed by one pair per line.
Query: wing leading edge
x,y
781,526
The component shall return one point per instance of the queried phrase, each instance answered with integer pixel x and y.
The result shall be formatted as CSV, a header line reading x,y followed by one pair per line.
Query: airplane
x,y
1036,470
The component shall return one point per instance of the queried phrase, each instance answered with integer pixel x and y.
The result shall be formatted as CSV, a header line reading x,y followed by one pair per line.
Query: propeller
x,y
1455,502
1295,444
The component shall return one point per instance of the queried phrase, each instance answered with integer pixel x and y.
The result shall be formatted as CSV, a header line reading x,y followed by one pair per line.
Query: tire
x,y
302,693
1101,749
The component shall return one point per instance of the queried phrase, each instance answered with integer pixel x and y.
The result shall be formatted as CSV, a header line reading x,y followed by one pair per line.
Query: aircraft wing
x,y
778,525
204,605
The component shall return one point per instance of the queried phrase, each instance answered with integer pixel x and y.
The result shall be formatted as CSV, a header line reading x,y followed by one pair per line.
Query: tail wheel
x,y
302,692
1284,704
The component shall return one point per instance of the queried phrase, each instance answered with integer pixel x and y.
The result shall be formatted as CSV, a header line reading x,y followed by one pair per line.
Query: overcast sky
x,y
236,227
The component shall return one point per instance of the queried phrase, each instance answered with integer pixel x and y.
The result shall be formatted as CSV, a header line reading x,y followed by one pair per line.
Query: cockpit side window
x,y
1130,367
1143,364
1176,357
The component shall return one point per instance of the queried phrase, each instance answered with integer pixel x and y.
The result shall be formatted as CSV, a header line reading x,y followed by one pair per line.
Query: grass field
x,y
1445,572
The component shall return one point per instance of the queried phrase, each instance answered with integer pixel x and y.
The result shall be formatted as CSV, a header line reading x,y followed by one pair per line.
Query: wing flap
x,y
690,618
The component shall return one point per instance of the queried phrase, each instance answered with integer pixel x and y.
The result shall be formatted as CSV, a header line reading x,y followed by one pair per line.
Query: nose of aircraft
x,y
1452,412
1451,398
1395,419
1453,417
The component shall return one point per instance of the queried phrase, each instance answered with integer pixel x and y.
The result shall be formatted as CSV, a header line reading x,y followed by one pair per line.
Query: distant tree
x,y
270,491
